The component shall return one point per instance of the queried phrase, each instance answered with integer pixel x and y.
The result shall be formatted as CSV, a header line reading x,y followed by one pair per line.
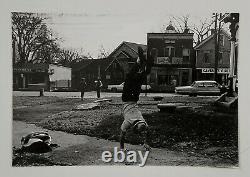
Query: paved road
x,y
86,95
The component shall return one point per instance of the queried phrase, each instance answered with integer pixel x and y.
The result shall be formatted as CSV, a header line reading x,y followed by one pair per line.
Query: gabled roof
x,y
209,38
134,46
131,45
123,53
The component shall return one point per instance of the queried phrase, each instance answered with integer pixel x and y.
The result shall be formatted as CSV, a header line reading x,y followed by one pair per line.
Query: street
x,y
86,94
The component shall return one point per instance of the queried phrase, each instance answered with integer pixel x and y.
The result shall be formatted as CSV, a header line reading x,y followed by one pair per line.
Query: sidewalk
x,y
85,150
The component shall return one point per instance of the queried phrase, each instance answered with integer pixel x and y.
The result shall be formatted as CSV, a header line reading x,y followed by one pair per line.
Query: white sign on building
x,y
219,70
163,60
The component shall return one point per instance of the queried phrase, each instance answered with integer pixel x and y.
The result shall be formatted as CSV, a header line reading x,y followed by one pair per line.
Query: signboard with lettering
x,y
29,70
219,70
163,60
167,41
177,60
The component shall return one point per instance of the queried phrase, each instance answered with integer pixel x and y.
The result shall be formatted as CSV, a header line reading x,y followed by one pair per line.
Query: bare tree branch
x,y
29,34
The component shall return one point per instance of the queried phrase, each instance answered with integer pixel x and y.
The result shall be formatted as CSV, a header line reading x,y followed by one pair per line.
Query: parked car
x,y
200,88
119,88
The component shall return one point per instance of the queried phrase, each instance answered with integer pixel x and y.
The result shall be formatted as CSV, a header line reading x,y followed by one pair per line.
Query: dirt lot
x,y
198,129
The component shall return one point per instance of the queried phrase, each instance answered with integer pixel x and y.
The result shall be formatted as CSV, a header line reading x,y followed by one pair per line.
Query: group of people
x,y
83,87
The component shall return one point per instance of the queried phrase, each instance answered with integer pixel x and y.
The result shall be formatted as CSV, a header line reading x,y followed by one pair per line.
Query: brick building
x,y
174,63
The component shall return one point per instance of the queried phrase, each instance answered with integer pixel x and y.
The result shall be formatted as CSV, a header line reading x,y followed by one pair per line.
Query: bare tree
x,y
30,34
201,29
182,23
47,53
102,52
66,57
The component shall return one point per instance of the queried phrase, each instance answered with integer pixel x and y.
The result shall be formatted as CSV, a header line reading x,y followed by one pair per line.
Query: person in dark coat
x,y
133,118
98,85
83,86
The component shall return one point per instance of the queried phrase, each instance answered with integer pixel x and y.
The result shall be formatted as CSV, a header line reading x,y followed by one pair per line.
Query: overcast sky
x,y
86,32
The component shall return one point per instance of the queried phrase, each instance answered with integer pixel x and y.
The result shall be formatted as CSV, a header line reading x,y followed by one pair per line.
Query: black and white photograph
x,y
112,89
138,85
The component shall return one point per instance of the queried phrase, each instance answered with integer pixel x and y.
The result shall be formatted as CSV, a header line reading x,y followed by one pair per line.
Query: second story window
x,y
206,57
186,55
169,51
220,61
114,65
221,40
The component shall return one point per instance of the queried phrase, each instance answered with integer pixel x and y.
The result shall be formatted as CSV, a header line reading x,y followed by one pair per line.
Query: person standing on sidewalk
x,y
98,85
133,118
83,86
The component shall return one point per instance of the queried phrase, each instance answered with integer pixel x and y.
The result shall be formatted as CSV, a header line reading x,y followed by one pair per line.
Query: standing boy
x,y
98,87
83,86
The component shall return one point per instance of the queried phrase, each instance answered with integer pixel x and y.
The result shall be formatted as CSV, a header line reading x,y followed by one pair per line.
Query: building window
x,y
167,80
206,57
169,51
221,40
220,61
37,78
186,55
156,50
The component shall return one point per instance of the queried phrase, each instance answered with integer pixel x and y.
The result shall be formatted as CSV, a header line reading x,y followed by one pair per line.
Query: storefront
x,y
208,74
38,76
30,76
166,79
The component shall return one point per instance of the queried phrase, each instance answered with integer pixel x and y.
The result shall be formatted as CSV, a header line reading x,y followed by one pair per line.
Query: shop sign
x,y
163,60
177,60
22,70
219,70
28,70
169,41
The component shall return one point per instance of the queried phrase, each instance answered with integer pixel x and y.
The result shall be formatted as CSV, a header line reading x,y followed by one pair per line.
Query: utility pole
x,y
218,46
215,48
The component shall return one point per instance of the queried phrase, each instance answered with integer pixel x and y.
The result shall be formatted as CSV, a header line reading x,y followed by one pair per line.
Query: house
x,y
123,57
205,58
90,69
174,64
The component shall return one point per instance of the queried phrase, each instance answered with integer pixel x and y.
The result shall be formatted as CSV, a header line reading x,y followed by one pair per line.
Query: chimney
x,y
186,30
